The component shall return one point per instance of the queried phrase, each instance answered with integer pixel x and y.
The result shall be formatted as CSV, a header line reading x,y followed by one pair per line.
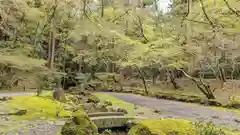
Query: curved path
x,y
182,110
171,108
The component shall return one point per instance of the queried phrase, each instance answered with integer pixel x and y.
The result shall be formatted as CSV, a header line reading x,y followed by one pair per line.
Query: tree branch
x,y
230,8
205,14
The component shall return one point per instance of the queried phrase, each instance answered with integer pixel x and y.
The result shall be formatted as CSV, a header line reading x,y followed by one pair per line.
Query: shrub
x,y
80,124
93,99
208,129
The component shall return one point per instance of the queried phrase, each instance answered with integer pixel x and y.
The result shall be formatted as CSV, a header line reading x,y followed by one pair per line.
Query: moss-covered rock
x,y
139,130
80,124
108,103
122,110
93,99
234,104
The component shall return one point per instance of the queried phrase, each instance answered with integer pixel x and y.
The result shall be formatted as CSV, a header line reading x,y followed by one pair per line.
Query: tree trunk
x,y
204,88
143,80
172,79
102,8
154,79
52,41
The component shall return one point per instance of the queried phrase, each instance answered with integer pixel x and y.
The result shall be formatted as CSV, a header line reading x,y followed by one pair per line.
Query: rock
x,y
215,117
101,107
50,122
139,130
205,101
59,94
80,124
122,110
156,111
110,109
93,99
20,112
237,120
108,103
59,123
214,102
130,124
135,107
5,98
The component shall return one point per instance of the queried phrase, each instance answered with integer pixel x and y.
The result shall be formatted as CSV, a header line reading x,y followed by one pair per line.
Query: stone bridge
x,y
111,119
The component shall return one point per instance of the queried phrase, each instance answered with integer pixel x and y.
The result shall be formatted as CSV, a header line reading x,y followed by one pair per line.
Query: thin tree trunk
x,y
102,8
52,41
143,80
204,88
172,79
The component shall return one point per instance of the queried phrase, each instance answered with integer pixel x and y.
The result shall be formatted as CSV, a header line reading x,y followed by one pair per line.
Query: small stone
x,y
50,122
21,112
215,117
156,111
59,123
237,120
130,124
108,103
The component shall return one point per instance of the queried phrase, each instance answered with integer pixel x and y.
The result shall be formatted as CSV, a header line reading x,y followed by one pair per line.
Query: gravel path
x,y
182,110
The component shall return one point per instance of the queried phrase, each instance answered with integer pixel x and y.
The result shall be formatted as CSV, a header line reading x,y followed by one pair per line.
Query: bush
x,y
93,99
80,124
208,129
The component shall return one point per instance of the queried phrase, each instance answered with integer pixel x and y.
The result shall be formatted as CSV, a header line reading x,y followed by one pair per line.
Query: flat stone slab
x,y
112,121
99,114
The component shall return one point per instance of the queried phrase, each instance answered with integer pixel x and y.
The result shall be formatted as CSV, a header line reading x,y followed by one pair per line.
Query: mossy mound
x,y
140,130
234,104
165,127
80,124
38,107
93,99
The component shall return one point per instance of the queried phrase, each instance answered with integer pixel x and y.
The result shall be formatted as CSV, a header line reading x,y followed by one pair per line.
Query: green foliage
x,y
79,125
208,129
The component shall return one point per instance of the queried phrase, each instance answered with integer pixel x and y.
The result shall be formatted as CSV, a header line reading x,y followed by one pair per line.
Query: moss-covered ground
x,y
131,108
38,107
174,126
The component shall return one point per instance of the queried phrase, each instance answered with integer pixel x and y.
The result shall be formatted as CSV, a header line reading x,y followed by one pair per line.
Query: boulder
x,y
80,124
59,94
108,103
139,130
93,99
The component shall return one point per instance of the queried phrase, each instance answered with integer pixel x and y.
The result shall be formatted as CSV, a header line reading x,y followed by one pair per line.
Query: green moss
x,y
148,2
38,107
79,125
140,130
93,99
170,126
